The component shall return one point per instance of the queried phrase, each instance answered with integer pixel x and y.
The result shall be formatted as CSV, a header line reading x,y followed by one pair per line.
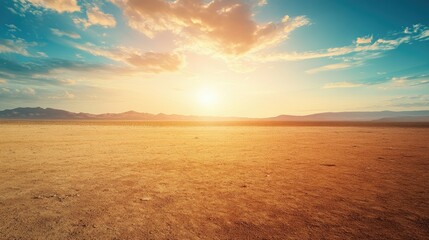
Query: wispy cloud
x,y
141,61
362,45
409,101
330,67
12,28
18,46
262,2
96,17
363,49
63,95
46,70
364,40
408,81
342,85
18,92
60,33
390,83
379,45
57,5
424,35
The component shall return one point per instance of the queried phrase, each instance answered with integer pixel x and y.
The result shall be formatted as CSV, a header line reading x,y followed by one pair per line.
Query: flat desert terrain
x,y
78,180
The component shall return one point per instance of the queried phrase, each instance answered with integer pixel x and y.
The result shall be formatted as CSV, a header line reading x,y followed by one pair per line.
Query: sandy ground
x,y
124,181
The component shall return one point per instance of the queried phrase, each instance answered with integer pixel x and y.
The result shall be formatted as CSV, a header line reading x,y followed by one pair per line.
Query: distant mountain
x,y
50,113
42,113
352,116
405,119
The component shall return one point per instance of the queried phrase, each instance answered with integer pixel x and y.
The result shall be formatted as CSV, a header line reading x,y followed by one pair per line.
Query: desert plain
x,y
127,180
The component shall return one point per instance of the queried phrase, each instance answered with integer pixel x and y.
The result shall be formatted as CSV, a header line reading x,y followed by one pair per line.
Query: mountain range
x,y
379,116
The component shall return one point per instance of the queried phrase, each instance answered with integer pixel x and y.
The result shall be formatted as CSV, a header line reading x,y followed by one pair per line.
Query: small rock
x,y
328,165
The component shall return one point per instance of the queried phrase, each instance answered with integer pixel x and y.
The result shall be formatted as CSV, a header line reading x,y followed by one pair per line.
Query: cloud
x,y
342,85
364,40
364,46
18,46
96,17
60,33
19,93
6,74
362,49
329,67
12,28
385,82
68,81
424,35
57,5
60,72
262,3
410,101
413,29
409,81
22,7
144,62
217,26
47,70
40,54
380,45
64,95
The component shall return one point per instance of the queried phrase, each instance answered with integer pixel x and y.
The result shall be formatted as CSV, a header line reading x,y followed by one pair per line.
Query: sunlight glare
x,y
207,97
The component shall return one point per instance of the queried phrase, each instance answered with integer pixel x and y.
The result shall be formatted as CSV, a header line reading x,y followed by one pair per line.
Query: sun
x,y
207,97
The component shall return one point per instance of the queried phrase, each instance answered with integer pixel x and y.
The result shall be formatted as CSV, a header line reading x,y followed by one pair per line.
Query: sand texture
x,y
125,181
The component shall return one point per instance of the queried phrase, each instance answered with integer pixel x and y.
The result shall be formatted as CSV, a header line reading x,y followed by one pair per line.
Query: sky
x,y
247,58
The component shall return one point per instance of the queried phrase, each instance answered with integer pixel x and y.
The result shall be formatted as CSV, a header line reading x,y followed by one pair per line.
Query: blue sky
x,y
226,58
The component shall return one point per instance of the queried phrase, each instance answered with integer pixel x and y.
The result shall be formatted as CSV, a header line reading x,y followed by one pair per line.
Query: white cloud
x,y
144,62
12,28
40,54
329,67
363,49
342,85
262,2
22,7
60,33
424,35
409,101
18,92
18,46
380,45
64,95
409,81
57,5
364,40
96,17
7,75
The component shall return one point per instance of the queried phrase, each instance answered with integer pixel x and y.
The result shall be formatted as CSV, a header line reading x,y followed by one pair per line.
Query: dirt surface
x,y
127,181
